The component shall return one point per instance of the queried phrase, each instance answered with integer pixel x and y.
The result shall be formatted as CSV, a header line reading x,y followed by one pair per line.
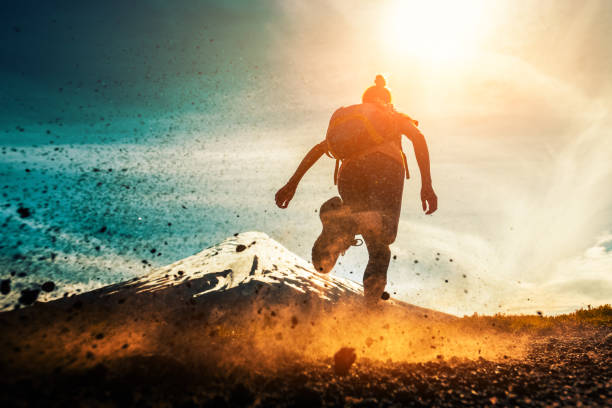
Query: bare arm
x,y
285,194
428,196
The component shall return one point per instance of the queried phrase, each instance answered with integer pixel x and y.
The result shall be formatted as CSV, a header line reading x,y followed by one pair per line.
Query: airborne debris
x,y
343,360
28,296
24,212
48,286
5,286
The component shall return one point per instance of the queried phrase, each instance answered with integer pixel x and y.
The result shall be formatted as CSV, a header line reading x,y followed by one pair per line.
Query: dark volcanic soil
x,y
571,369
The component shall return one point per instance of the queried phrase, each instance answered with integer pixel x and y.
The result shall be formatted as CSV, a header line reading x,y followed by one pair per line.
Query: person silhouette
x,y
370,188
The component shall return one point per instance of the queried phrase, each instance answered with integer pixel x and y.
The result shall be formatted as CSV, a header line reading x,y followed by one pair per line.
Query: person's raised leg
x,y
340,225
337,234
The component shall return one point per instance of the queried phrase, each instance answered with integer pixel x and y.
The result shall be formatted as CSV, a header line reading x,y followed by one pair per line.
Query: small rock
x,y
24,212
48,286
5,286
28,296
343,360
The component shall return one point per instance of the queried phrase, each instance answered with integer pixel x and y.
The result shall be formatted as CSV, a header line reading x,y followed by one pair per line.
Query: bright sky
x,y
514,100
209,106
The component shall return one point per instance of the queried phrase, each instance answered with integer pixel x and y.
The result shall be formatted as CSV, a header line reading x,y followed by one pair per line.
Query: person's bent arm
x,y
428,196
285,194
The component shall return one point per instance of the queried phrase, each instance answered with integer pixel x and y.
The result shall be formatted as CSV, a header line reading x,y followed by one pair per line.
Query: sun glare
x,y
434,29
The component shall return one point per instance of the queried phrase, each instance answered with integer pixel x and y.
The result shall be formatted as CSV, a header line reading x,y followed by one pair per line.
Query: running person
x,y
370,188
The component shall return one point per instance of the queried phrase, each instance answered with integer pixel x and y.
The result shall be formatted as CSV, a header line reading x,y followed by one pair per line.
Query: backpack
x,y
357,129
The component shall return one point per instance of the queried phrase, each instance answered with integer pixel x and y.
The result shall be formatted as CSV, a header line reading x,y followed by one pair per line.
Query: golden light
x,y
434,29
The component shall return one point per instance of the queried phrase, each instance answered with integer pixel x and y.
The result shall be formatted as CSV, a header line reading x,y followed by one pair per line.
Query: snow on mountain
x,y
247,260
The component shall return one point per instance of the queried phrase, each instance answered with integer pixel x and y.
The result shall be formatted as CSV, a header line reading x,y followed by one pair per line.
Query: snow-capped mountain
x,y
247,290
246,262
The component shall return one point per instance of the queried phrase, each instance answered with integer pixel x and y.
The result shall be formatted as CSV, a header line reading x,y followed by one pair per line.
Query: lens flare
x,y
433,30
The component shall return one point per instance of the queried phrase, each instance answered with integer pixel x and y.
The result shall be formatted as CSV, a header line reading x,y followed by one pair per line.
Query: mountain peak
x,y
244,259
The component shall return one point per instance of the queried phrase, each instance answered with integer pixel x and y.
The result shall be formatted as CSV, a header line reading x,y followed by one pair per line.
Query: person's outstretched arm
x,y
285,194
428,196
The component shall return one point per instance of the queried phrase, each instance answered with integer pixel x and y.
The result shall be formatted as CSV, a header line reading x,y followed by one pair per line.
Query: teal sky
x,y
203,109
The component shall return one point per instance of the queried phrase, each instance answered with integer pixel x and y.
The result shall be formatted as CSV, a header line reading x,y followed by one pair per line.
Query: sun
x,y
433,29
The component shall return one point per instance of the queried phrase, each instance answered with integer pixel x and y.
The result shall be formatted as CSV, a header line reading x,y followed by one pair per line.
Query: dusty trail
x,y
566,370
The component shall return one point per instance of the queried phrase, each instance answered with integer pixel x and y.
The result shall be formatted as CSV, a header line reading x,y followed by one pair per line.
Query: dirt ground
x,y
563,369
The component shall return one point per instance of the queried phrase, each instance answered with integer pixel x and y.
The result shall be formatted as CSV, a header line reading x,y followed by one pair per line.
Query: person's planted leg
x,y
375,275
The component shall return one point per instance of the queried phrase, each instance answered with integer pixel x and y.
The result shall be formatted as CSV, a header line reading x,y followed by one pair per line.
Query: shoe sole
x,y
332,240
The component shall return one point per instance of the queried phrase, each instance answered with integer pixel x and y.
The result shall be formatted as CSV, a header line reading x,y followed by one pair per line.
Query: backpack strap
x,y
405,164
336,172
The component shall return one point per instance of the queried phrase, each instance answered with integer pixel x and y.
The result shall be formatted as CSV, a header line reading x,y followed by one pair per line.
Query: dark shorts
x,y
374,183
